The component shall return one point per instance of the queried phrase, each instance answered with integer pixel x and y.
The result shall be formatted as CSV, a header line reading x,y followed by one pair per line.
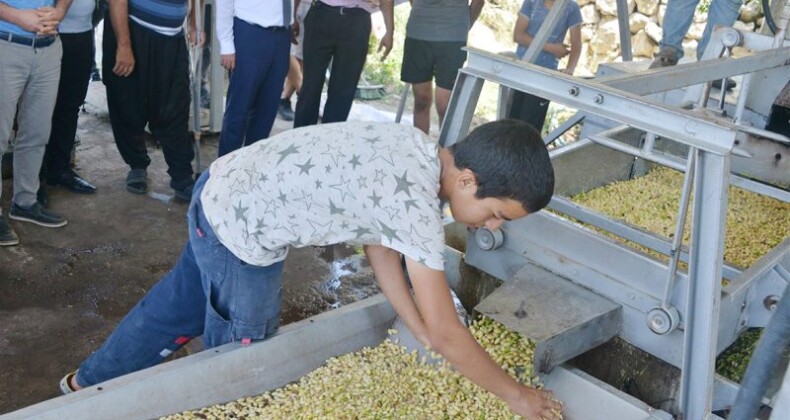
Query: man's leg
x,y
423,97
450,57
35,122
353,33
15,60
168,111
677,21
275,56
319,46
124,100
74,79
721,13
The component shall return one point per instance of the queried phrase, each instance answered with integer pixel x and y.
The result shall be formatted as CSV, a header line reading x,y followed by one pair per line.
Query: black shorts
x,y
422,60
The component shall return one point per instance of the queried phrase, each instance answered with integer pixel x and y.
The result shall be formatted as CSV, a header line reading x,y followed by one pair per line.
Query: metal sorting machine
x,y
565,286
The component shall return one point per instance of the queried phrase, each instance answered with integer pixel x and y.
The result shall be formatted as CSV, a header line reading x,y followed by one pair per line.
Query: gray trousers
x,y
28,79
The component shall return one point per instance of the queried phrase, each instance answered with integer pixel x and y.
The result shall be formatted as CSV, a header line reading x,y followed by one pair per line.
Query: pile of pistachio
x,y
387,382
755,223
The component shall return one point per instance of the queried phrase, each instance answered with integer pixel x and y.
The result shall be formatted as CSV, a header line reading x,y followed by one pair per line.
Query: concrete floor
x,y
63,290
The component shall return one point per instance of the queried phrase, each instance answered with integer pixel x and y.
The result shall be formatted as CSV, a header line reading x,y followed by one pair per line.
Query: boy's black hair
x,y
509,160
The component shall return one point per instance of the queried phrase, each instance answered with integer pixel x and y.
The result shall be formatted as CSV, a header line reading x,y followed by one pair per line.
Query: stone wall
x,y
600,33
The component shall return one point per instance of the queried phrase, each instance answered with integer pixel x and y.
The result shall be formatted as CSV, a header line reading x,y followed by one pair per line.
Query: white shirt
x,y
359,183
263,13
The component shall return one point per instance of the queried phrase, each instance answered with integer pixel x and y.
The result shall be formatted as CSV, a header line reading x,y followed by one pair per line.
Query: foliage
x,y
703,6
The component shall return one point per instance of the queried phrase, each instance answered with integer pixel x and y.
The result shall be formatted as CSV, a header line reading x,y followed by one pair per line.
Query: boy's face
x,y
481,212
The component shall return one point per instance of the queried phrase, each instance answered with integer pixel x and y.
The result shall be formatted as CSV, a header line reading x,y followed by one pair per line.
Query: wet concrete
x,y
62,291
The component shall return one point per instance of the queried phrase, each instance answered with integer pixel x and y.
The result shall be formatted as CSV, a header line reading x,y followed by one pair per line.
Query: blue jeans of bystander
x,y
678,17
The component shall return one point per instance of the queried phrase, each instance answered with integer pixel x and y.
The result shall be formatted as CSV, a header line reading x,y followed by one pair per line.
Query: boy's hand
x,y
535,404
559,50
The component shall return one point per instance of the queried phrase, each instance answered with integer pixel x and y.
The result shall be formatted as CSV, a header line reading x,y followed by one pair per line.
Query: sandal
x,y
136,181
65,383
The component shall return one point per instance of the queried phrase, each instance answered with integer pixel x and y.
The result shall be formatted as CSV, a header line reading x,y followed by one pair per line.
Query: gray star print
x,y
305,168
388,232
403,184
287,151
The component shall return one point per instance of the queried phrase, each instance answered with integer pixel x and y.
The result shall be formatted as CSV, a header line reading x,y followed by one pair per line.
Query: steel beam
x,y
461,108
661,80
701,131
704,293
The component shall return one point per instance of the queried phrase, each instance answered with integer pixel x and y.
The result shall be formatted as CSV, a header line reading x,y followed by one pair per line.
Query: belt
x,y
277,28
30,41
340,9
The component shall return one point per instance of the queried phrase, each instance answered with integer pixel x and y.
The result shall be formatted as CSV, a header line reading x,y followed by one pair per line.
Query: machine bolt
x,y
770,302
573,91
489,240
598,99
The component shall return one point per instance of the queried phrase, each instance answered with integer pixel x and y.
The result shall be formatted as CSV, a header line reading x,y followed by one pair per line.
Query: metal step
x,y
561,317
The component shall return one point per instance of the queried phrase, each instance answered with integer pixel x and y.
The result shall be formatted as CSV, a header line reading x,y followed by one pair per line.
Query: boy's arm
x,y
454,341
389,275
576,49
522,37
124,57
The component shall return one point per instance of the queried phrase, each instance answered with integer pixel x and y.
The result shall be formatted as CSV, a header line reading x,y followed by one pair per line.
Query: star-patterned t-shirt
x,y
359,183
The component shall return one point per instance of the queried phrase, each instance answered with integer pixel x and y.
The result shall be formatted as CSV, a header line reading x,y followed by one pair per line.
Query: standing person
x,y
254,41
227,284
293,82
145,65
76,35
677,21
530,108
30,54
337,31
435,35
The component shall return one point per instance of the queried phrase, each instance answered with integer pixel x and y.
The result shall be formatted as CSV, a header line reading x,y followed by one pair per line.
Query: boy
x,y
379,185
530,108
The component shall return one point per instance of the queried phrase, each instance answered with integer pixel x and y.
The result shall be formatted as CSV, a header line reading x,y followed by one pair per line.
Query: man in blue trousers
x,y
255,42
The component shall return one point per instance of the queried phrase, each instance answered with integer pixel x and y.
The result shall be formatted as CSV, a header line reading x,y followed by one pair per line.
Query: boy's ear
x,y
466,179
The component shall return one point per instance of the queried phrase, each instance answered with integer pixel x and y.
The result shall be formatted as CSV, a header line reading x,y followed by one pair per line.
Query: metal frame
x,y
637,281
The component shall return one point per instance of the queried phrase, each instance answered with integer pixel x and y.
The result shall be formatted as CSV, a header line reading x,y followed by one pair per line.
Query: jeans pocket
x,y
217,329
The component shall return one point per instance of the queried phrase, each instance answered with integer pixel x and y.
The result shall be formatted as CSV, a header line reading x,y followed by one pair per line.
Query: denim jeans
x,y
679,15
210,292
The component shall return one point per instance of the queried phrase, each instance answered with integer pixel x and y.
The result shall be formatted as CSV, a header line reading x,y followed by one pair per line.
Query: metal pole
x,y
704,298
677,241
625,30
197,59
402,104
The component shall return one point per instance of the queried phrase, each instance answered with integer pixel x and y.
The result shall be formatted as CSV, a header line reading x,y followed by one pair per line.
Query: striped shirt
x,y
163,16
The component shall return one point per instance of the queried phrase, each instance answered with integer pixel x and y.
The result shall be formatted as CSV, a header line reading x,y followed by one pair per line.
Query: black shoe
x,y
36,214
95,76
730,84
184,193
73,182
42,196
285,110
7,235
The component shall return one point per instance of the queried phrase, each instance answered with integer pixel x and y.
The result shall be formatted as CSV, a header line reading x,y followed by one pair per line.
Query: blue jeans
x,y
209,292
262,59
679,15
